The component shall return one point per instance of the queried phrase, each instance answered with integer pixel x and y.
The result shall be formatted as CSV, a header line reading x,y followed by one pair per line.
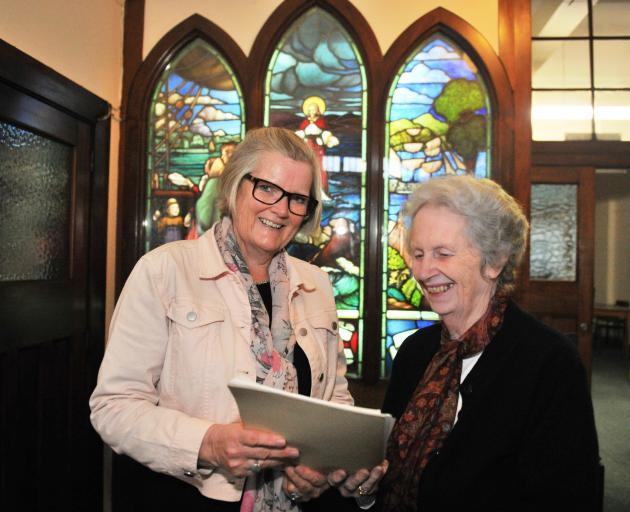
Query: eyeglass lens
x,y
268,193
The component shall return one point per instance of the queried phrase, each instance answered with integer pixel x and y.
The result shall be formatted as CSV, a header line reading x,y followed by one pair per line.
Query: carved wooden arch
x,y
132,181
490,67
353,21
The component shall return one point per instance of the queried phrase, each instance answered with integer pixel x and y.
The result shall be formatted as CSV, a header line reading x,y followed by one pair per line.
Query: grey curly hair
x,y
497,225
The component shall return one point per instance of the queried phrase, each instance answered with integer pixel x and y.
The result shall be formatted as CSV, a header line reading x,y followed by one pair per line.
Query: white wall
x,y
243,19
612,238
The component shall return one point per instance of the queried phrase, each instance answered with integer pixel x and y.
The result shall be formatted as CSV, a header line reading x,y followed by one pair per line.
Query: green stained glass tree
x,y
316,86
196,118
438,122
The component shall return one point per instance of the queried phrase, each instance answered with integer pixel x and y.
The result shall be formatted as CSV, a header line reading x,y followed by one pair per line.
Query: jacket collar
x,y
212,266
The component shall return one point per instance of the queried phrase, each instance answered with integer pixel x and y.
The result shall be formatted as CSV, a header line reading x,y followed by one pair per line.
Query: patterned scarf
x,y
272,345
430,413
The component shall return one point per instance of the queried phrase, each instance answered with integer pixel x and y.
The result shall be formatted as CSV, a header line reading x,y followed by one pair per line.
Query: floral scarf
x,y
272,345
430,413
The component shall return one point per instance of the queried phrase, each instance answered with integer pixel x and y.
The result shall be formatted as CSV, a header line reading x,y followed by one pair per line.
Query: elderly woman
x,y
194,314
493,407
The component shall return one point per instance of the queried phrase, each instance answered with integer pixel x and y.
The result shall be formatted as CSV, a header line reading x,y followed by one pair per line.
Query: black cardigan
x,y
525,438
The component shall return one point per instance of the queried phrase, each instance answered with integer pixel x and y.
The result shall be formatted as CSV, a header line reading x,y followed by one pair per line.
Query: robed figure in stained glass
x,y
314,130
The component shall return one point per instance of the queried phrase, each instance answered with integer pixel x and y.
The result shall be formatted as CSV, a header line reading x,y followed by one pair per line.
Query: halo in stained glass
x,y
196,118
438,123
316,86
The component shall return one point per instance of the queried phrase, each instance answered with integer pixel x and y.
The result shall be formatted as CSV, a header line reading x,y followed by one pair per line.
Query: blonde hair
x,y
246,157
496,224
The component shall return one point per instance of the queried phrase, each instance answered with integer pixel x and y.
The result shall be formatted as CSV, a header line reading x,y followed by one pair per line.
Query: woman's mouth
x,y
269,224
438,288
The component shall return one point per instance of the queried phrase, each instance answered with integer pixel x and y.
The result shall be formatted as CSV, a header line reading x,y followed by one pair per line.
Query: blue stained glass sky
x,y
316,58
424,77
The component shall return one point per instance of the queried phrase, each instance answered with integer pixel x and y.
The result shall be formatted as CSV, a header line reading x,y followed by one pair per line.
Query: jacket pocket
x,y
192,315
326,320
317,335
193,353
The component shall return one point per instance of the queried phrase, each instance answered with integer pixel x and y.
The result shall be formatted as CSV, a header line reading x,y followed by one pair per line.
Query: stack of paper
x,y
328,435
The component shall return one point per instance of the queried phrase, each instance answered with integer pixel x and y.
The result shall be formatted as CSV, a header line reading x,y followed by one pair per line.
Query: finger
x,y
282,456
304,487
260,438
336,478
353,481
315,478
370,485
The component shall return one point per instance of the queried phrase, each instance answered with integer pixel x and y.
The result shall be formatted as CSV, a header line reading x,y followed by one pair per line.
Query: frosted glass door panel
x,y
553,232
35,186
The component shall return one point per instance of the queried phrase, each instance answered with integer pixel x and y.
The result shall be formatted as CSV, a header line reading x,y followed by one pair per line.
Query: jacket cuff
x,y
185,447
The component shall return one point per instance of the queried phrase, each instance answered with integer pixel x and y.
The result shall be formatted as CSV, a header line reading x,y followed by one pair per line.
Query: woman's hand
x,y
302,483
359,485
242,451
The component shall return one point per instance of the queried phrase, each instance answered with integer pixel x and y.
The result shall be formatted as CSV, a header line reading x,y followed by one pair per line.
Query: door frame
x,y
71,365
544,298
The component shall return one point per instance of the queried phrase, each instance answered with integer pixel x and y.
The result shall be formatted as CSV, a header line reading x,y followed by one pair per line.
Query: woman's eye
x,y
299,199
266,187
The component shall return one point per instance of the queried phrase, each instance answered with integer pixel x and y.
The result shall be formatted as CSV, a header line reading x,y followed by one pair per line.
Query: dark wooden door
x,y
52,235
560,285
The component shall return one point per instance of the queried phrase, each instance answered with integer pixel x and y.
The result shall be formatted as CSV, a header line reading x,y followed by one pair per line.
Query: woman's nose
x,y
282,207
422,268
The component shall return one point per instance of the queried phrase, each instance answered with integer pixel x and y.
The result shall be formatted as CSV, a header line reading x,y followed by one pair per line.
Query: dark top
x,y
300,361
525,437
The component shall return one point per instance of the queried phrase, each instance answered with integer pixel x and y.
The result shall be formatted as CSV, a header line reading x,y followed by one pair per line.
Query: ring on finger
x,y
256,467
294,496
362,491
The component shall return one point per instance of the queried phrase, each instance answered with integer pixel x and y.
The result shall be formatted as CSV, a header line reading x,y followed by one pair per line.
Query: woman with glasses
x,y
194,314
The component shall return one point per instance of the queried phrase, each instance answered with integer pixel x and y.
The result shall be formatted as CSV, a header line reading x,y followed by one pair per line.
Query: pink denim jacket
x,y
179,333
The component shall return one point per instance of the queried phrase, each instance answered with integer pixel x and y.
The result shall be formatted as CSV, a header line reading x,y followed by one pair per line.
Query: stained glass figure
x,y
196,119
316,86
438,123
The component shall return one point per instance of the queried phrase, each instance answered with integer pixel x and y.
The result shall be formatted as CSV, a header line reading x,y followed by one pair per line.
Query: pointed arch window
x,y
195,118
438,122
380,124
316,86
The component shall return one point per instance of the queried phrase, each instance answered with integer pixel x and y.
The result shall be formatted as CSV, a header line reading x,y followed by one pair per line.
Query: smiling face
x,y
262,230
448,267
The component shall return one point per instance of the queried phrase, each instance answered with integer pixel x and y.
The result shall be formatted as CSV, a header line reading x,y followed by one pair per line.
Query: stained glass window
x,y
195,120
316,86
438,123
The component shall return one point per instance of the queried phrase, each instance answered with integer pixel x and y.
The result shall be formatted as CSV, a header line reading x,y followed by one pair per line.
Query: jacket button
x,y
321,377
467,389
189,473
334,326
303,332
191,316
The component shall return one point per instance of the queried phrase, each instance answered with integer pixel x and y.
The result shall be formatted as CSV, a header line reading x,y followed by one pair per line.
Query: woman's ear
x,y
494,271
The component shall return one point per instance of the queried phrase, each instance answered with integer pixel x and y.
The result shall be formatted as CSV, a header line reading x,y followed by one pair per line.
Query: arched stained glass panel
x,y
438,123
196,118
316,86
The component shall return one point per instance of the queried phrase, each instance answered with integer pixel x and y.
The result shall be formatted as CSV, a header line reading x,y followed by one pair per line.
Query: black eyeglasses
x,y
268,193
